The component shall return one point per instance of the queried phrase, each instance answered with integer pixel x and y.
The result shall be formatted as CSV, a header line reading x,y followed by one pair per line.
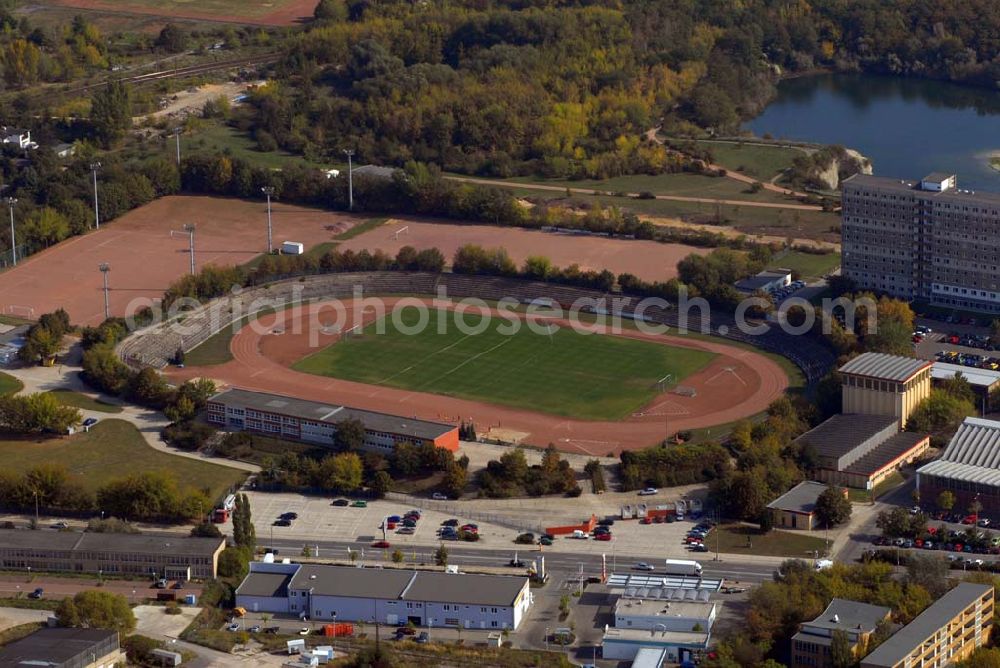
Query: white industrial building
x,y
651,614
679,646
389,596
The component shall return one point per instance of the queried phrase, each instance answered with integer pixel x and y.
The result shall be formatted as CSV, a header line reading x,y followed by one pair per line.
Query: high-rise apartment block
x,y
926,239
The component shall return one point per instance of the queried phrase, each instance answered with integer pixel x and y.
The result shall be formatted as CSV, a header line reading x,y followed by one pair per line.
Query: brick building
x,y
314,422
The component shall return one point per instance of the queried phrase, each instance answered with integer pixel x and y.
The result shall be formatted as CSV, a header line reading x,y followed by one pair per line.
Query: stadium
x,y
592,394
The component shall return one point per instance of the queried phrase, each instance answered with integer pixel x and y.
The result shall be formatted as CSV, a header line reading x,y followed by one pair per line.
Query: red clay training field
x,y
145,258
256,12
649,260
737,384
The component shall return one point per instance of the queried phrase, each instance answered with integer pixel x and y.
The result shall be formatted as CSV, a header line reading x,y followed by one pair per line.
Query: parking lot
x,y
318,520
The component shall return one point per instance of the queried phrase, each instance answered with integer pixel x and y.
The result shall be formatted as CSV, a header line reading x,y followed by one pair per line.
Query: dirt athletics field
x,y
145,258
736,384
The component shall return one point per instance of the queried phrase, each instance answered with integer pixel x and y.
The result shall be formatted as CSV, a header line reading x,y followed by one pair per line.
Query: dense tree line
x,y
767,461
141,496
512,476
670,465
39,413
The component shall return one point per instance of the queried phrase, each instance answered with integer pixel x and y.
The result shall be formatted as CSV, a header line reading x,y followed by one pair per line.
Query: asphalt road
x,y
559,564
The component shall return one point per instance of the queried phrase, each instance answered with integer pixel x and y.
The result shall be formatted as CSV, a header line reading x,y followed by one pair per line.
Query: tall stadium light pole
x,y
189,228
11,201
268,191
94,166
177,136
349,152
105,268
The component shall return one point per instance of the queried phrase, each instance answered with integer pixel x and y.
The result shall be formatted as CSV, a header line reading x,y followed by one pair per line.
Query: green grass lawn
x,y
9,384
215,138
732,539
808,265
681,184
14,321
760,162
82,401
113,449
749,219
571,374
360,229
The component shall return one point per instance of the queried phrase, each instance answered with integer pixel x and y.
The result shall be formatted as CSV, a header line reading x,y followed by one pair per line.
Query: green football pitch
x,y
565,373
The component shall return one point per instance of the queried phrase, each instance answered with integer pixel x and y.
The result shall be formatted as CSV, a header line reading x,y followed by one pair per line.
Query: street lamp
x,y
349,152
177,135
11,201
105,269
94,166
268,191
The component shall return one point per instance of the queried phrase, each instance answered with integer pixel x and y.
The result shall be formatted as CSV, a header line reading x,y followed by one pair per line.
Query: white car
x,y
438,496
649,491
643,566
233,627
304,631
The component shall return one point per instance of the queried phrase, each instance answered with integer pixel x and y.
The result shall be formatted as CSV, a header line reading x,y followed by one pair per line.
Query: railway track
x,y
190,70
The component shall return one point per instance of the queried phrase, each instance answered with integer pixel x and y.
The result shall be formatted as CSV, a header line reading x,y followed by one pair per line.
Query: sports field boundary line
x,y
474,357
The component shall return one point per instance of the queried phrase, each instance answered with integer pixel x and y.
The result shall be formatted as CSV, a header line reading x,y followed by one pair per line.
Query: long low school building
x,y
171,557
314,422
388,596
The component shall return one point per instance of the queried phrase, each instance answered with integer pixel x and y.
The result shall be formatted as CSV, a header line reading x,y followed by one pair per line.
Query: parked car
x,y
60,525
381,544
406,530
649,491
395,519
90,422
733,589
282,523
603,536
233,628
304,631
607,522
255,628
544,540
37,594
450,523
341,502
359,504
699,547
527,538
984,522
643,566
516,563
423,638
289,516
438,496
969,519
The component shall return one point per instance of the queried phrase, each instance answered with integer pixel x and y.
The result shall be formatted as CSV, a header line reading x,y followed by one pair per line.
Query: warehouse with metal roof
x,y
969,467
387,595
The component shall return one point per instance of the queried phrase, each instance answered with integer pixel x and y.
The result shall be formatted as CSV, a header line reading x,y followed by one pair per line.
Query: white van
x,y
580,534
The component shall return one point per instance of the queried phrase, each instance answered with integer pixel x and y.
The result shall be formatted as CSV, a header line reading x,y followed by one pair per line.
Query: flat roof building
x,y
969,467
64,648
172,557
645,613
765,281
926,239
392,596
943,634
811,645
680,646
314,422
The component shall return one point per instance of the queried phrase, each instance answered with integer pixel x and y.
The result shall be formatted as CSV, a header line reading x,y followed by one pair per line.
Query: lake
x,y
908,127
